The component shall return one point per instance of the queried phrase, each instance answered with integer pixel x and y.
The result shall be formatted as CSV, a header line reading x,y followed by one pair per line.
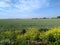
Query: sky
x,y
29,8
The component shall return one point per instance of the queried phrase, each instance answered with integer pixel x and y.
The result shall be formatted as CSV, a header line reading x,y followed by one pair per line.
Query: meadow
x,y
29,31
17,24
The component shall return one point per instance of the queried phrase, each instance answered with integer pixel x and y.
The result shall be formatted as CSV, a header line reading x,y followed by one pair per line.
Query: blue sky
x,y
29,8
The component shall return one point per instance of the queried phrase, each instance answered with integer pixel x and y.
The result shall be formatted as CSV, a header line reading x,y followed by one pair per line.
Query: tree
x,y
58,16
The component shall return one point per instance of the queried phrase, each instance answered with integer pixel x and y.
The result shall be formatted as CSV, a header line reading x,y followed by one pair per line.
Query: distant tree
x,y
35,18
58,16
45,18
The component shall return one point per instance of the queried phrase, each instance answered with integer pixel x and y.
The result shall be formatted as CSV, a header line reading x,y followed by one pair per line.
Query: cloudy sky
x,y
29,8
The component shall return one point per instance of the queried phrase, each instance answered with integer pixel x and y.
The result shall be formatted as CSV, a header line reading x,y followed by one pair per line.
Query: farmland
x,y
21,31
17,24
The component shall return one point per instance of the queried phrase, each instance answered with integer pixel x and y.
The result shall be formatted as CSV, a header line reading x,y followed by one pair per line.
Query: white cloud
x,y
23,5
31,4
3,4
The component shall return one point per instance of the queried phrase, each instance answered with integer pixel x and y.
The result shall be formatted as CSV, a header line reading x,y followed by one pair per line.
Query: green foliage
x,y
17,32
57,42
23,31
18,24
51,38
32,34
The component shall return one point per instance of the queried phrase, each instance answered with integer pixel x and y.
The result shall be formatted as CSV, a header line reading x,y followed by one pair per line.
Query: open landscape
x,y
29,22
30,31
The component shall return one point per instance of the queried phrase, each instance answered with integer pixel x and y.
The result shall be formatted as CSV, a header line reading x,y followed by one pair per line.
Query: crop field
x,y
17,24
29,31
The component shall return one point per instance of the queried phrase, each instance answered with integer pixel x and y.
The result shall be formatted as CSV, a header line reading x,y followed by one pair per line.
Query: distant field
x,y
17,24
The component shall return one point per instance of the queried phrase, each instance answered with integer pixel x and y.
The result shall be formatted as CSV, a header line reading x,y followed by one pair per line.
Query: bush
x,y
51,38
32,34
23,31
57,42
51,35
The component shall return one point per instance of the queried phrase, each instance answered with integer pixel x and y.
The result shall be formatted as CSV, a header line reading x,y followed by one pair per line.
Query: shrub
x,y
32,34
52,35
57,42
51,38
23,31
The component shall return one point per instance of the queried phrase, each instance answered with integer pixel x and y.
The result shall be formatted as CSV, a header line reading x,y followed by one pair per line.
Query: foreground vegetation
x,y
17,37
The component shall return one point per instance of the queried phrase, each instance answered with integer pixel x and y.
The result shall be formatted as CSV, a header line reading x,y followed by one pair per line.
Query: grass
x,y
18,31
17,24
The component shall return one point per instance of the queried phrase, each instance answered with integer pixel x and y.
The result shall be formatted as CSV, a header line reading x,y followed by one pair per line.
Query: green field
x,y
20,31
17,24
